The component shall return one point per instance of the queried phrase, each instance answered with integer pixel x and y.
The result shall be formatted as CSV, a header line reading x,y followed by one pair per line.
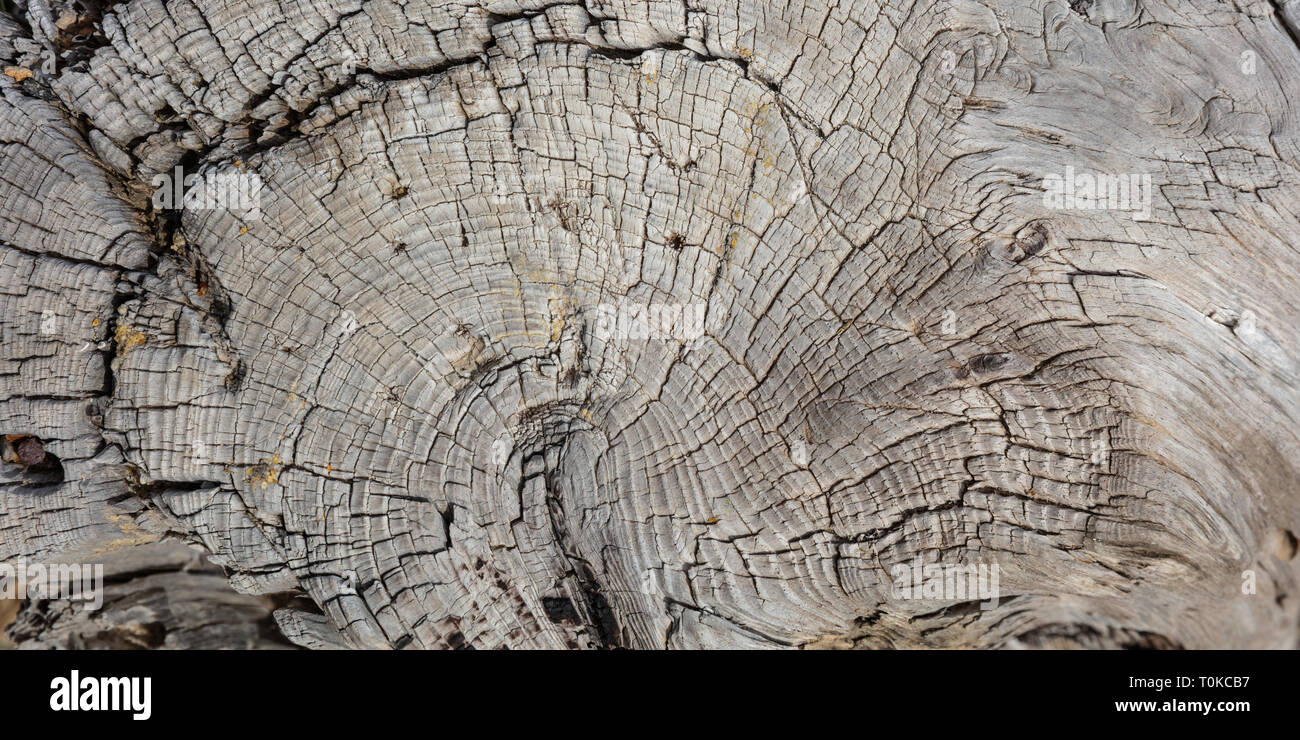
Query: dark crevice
x,y
1287,23
560,609
598,614
160,487
215,308
1093,638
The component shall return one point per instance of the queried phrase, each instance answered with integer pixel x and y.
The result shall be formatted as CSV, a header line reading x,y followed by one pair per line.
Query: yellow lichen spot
x,y
134,535
586,414
711,520
18,73
243,230
124,542
95,322
560,308
127,338
264,473
830,642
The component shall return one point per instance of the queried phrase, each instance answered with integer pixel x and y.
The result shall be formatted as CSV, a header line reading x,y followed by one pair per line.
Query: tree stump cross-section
x,y
653,323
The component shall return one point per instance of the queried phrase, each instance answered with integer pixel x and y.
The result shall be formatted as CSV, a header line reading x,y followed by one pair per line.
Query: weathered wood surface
x,y
386,391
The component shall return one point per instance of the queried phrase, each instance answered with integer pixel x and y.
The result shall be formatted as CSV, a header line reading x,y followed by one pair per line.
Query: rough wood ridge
x,y
966,283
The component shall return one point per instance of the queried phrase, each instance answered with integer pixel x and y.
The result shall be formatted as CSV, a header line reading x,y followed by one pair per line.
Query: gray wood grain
x,y
385,402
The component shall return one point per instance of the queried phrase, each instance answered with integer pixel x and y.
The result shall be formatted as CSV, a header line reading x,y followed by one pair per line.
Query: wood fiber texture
x,y
387,402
